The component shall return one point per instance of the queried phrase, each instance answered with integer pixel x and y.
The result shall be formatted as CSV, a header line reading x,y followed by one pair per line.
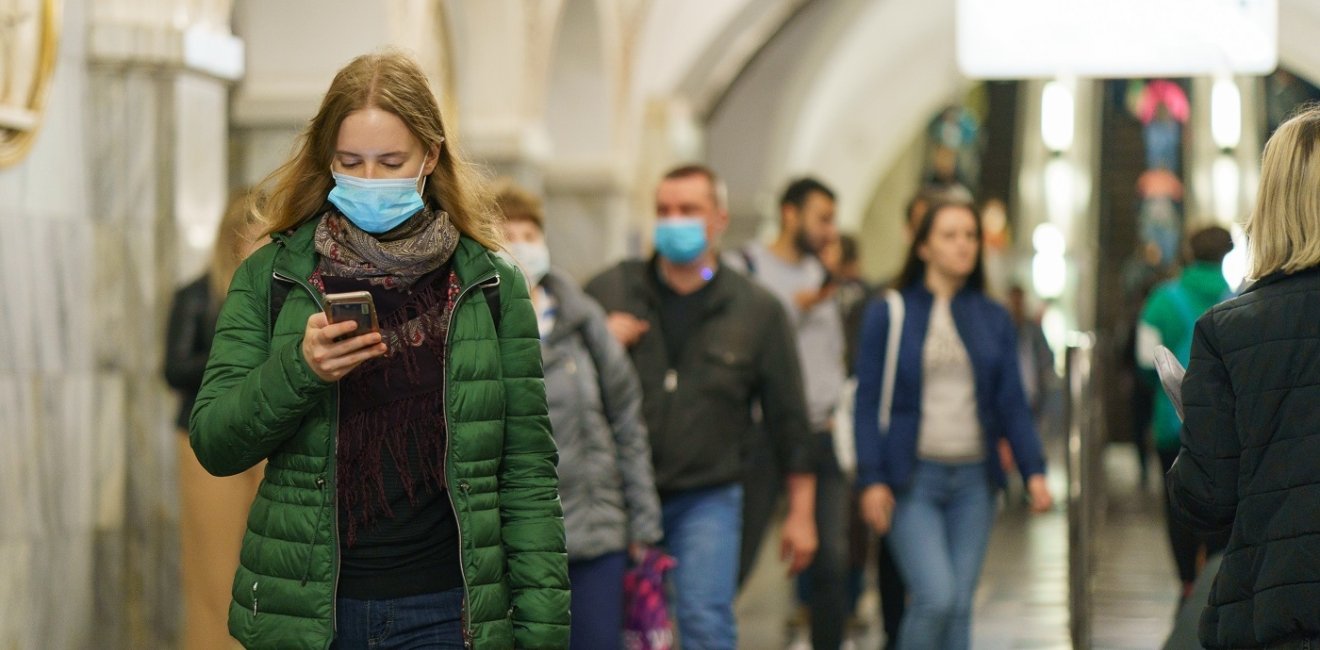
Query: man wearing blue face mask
x,y
709,345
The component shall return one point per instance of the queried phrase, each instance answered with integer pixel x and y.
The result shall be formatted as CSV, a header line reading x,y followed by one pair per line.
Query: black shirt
x,y
680,316
413,548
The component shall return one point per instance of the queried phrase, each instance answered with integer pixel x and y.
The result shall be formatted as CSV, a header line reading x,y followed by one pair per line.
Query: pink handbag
x,y
647,625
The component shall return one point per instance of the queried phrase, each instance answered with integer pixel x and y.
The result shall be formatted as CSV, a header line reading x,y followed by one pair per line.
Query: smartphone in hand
x,y
1171,373
355,306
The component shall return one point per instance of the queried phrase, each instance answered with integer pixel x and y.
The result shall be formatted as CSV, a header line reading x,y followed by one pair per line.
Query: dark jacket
x,y
260,399
1249,459
742,354
605,479
988,333
188,342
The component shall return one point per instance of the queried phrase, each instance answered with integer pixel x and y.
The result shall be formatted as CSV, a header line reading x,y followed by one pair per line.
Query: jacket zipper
x,y
334,592
449,432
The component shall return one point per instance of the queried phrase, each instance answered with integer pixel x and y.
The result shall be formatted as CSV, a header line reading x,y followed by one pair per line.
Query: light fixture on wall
x,y
1049,267
1226,188
1056,116
1059,198
1226,113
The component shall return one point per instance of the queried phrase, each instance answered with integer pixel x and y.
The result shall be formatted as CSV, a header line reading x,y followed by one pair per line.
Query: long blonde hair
x,y
1283,232
393,82
233,238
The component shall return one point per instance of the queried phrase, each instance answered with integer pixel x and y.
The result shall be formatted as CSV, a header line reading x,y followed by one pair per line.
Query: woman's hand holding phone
x,y
331,359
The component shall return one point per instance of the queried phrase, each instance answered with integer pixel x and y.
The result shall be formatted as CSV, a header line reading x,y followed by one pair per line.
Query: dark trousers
x,y
1143,408
763,484
824,586
597,602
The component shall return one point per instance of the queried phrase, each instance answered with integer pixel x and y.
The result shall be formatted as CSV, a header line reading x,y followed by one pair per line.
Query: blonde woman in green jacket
x,y
410,496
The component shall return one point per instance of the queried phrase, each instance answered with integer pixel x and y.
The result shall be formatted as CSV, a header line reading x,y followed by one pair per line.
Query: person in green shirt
x,y
1167,319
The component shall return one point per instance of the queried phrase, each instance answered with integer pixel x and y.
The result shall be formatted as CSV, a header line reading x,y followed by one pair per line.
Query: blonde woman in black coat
x,y
1250,456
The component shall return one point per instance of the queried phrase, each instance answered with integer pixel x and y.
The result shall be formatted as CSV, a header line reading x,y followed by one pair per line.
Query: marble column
x,y
115,207
59,418
159,179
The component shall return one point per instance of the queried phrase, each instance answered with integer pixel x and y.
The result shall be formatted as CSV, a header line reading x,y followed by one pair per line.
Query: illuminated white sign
x,y
1014,39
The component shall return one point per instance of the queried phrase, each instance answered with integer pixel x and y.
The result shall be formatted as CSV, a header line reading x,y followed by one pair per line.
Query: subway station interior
x,y
1094,136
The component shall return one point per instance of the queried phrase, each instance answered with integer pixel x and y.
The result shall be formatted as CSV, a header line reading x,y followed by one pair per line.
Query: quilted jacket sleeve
x,y
252,397
531,519
622,396
1203,480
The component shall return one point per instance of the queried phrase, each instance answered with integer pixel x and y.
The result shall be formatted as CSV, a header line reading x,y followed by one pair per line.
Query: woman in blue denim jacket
x,y
956,391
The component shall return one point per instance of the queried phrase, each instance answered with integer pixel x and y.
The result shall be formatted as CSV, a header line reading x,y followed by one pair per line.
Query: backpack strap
x,y
748,260
492,292
279,292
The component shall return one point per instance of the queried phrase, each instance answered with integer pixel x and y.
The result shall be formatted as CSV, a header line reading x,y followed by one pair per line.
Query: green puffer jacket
x,y
259,399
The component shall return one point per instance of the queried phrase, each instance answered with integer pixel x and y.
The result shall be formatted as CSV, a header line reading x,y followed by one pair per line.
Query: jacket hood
x,y
1204,280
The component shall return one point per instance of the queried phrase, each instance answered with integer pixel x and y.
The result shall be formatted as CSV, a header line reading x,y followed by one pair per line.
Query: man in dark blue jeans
x,y
686,321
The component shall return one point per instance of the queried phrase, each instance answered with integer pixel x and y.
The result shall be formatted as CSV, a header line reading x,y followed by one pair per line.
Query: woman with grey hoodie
x,y
606,483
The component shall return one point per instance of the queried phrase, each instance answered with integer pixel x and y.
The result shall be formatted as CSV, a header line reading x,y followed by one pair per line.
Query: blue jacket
x,y
988,332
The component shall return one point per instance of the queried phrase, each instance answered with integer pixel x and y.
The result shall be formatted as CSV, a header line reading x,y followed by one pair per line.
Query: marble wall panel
x,y
19,327
15,601
88,263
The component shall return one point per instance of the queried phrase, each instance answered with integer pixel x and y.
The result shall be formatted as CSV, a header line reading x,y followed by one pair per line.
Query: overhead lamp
x,y
1056,117
1226,113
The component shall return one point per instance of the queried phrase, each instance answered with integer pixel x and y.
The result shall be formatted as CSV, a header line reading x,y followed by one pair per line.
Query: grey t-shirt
x,y
950,430
819,330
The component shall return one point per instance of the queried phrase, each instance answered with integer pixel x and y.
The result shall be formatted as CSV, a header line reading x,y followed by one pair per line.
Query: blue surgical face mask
x,y
377,205
680,239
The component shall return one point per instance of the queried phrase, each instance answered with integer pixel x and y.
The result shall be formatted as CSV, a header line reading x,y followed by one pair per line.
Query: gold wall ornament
x,y
29,46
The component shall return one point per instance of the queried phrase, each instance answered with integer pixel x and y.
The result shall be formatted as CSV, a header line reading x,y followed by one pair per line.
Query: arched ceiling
x,y
840,97
852,91
854,107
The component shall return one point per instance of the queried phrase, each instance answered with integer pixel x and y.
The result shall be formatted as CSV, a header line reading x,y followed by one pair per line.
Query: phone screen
x,y
354,311
356,307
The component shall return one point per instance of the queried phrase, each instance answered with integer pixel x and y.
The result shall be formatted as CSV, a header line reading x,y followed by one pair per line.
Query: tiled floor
x,y
1022,602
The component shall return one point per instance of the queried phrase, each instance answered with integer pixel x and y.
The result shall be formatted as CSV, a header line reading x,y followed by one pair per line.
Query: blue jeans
x,y
703,530
597,602
940,532
425,621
